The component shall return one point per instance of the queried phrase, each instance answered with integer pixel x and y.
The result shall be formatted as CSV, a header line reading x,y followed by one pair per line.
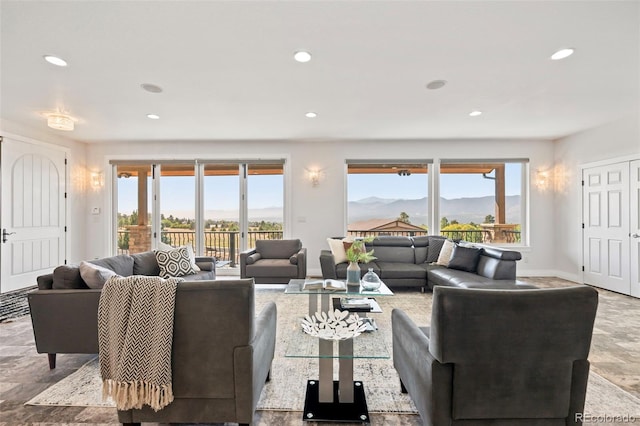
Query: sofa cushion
x,y
272,268
278,249
400,270
200,276
121,264
435,245
67,277
393,254
464,258
145,263
174,263
94,275
445,253
421,248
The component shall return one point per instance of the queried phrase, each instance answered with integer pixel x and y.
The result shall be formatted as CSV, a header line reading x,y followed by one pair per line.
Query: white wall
x,y
319,212
611,141
76,180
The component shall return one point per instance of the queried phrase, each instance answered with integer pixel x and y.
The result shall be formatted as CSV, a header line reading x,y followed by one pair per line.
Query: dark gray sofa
x,y
274,261
408,262
64,310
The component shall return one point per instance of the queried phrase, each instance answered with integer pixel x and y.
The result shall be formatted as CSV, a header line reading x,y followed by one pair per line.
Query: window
x,y
482,201
219,208
388,198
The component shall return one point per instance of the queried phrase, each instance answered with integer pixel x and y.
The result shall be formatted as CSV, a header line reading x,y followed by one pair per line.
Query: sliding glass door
x,y
219,208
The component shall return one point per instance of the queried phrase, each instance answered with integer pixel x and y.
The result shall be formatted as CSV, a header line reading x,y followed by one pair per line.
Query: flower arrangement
x,y
358,253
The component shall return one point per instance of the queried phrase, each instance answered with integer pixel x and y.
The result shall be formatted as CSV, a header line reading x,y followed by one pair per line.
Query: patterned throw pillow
x,y
434,247
174,263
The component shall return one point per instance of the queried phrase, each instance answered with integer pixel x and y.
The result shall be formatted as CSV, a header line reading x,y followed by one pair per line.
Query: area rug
x,y
285,391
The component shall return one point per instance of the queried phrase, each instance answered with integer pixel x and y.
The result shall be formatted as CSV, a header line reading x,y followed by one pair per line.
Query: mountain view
x,y
464,210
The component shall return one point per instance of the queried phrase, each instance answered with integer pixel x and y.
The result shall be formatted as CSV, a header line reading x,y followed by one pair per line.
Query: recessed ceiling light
x,y
302,56
153,116
151,88
55,60
436,84
562,53
475,113
311,114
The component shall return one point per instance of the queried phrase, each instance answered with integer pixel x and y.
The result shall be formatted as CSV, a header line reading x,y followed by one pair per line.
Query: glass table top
x,y
367,345
295,287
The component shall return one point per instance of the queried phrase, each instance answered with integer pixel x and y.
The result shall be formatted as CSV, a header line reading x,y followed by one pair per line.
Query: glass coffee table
x,y
342,400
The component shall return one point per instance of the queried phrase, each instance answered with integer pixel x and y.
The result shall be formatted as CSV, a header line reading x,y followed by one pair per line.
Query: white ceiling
x,y
228,72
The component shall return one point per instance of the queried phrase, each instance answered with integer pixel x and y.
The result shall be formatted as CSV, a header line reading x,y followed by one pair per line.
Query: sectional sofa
x,y
411,262
64,309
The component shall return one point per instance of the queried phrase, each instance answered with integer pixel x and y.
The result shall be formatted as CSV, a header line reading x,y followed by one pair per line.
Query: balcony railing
x,y
472,236
223,245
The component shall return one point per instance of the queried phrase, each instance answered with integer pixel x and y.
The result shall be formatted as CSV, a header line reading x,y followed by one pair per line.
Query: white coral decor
x,y
333,325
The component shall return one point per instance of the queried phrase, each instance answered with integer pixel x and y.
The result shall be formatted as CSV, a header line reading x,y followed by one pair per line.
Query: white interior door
x,y
634,227
606,227
32,214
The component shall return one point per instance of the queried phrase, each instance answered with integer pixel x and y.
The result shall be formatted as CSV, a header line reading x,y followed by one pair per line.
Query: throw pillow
x,y
465,258
95,276
445,253
337,249
174,263
434,247
192,256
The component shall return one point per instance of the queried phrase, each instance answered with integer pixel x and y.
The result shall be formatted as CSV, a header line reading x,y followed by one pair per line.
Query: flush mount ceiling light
x,y
54,60
436,84
302,56
562,53
311,114
151,88
60,121
475,113
153,116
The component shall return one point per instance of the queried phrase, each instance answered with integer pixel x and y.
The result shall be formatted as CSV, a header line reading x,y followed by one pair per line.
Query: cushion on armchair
x,y
277,249
253,258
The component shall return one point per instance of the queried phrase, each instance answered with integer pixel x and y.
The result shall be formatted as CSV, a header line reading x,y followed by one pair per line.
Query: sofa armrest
x,y
243,261
45,282
501,254
428,382
65,321
252,363
328,265
300,259
206,263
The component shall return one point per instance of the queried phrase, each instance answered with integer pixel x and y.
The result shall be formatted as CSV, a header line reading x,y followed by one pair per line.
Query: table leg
x,y
345,349
325,361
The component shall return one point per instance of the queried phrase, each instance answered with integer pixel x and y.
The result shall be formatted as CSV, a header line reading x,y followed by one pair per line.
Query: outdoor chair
x,y
498,357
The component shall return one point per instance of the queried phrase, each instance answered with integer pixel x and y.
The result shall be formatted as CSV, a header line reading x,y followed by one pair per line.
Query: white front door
x,y
33,212
634,227
606,227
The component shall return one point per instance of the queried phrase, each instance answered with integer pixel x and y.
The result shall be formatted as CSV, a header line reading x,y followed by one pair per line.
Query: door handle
x,y
635,236
5,234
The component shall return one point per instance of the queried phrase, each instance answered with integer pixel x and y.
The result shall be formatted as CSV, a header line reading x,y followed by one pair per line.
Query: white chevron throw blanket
x,y
135,335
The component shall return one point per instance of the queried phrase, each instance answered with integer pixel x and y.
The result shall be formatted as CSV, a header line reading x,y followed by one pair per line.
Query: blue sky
x,y
221,192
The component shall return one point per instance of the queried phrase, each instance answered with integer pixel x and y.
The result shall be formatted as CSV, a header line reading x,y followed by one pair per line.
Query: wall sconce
x,y
543,179
314,175
96,180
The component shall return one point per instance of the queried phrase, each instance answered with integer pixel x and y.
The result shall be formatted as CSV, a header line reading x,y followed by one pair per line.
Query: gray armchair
x,y
274,261
221,355
498,357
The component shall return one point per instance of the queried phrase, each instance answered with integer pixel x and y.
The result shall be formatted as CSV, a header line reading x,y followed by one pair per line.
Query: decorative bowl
x,y
333,325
